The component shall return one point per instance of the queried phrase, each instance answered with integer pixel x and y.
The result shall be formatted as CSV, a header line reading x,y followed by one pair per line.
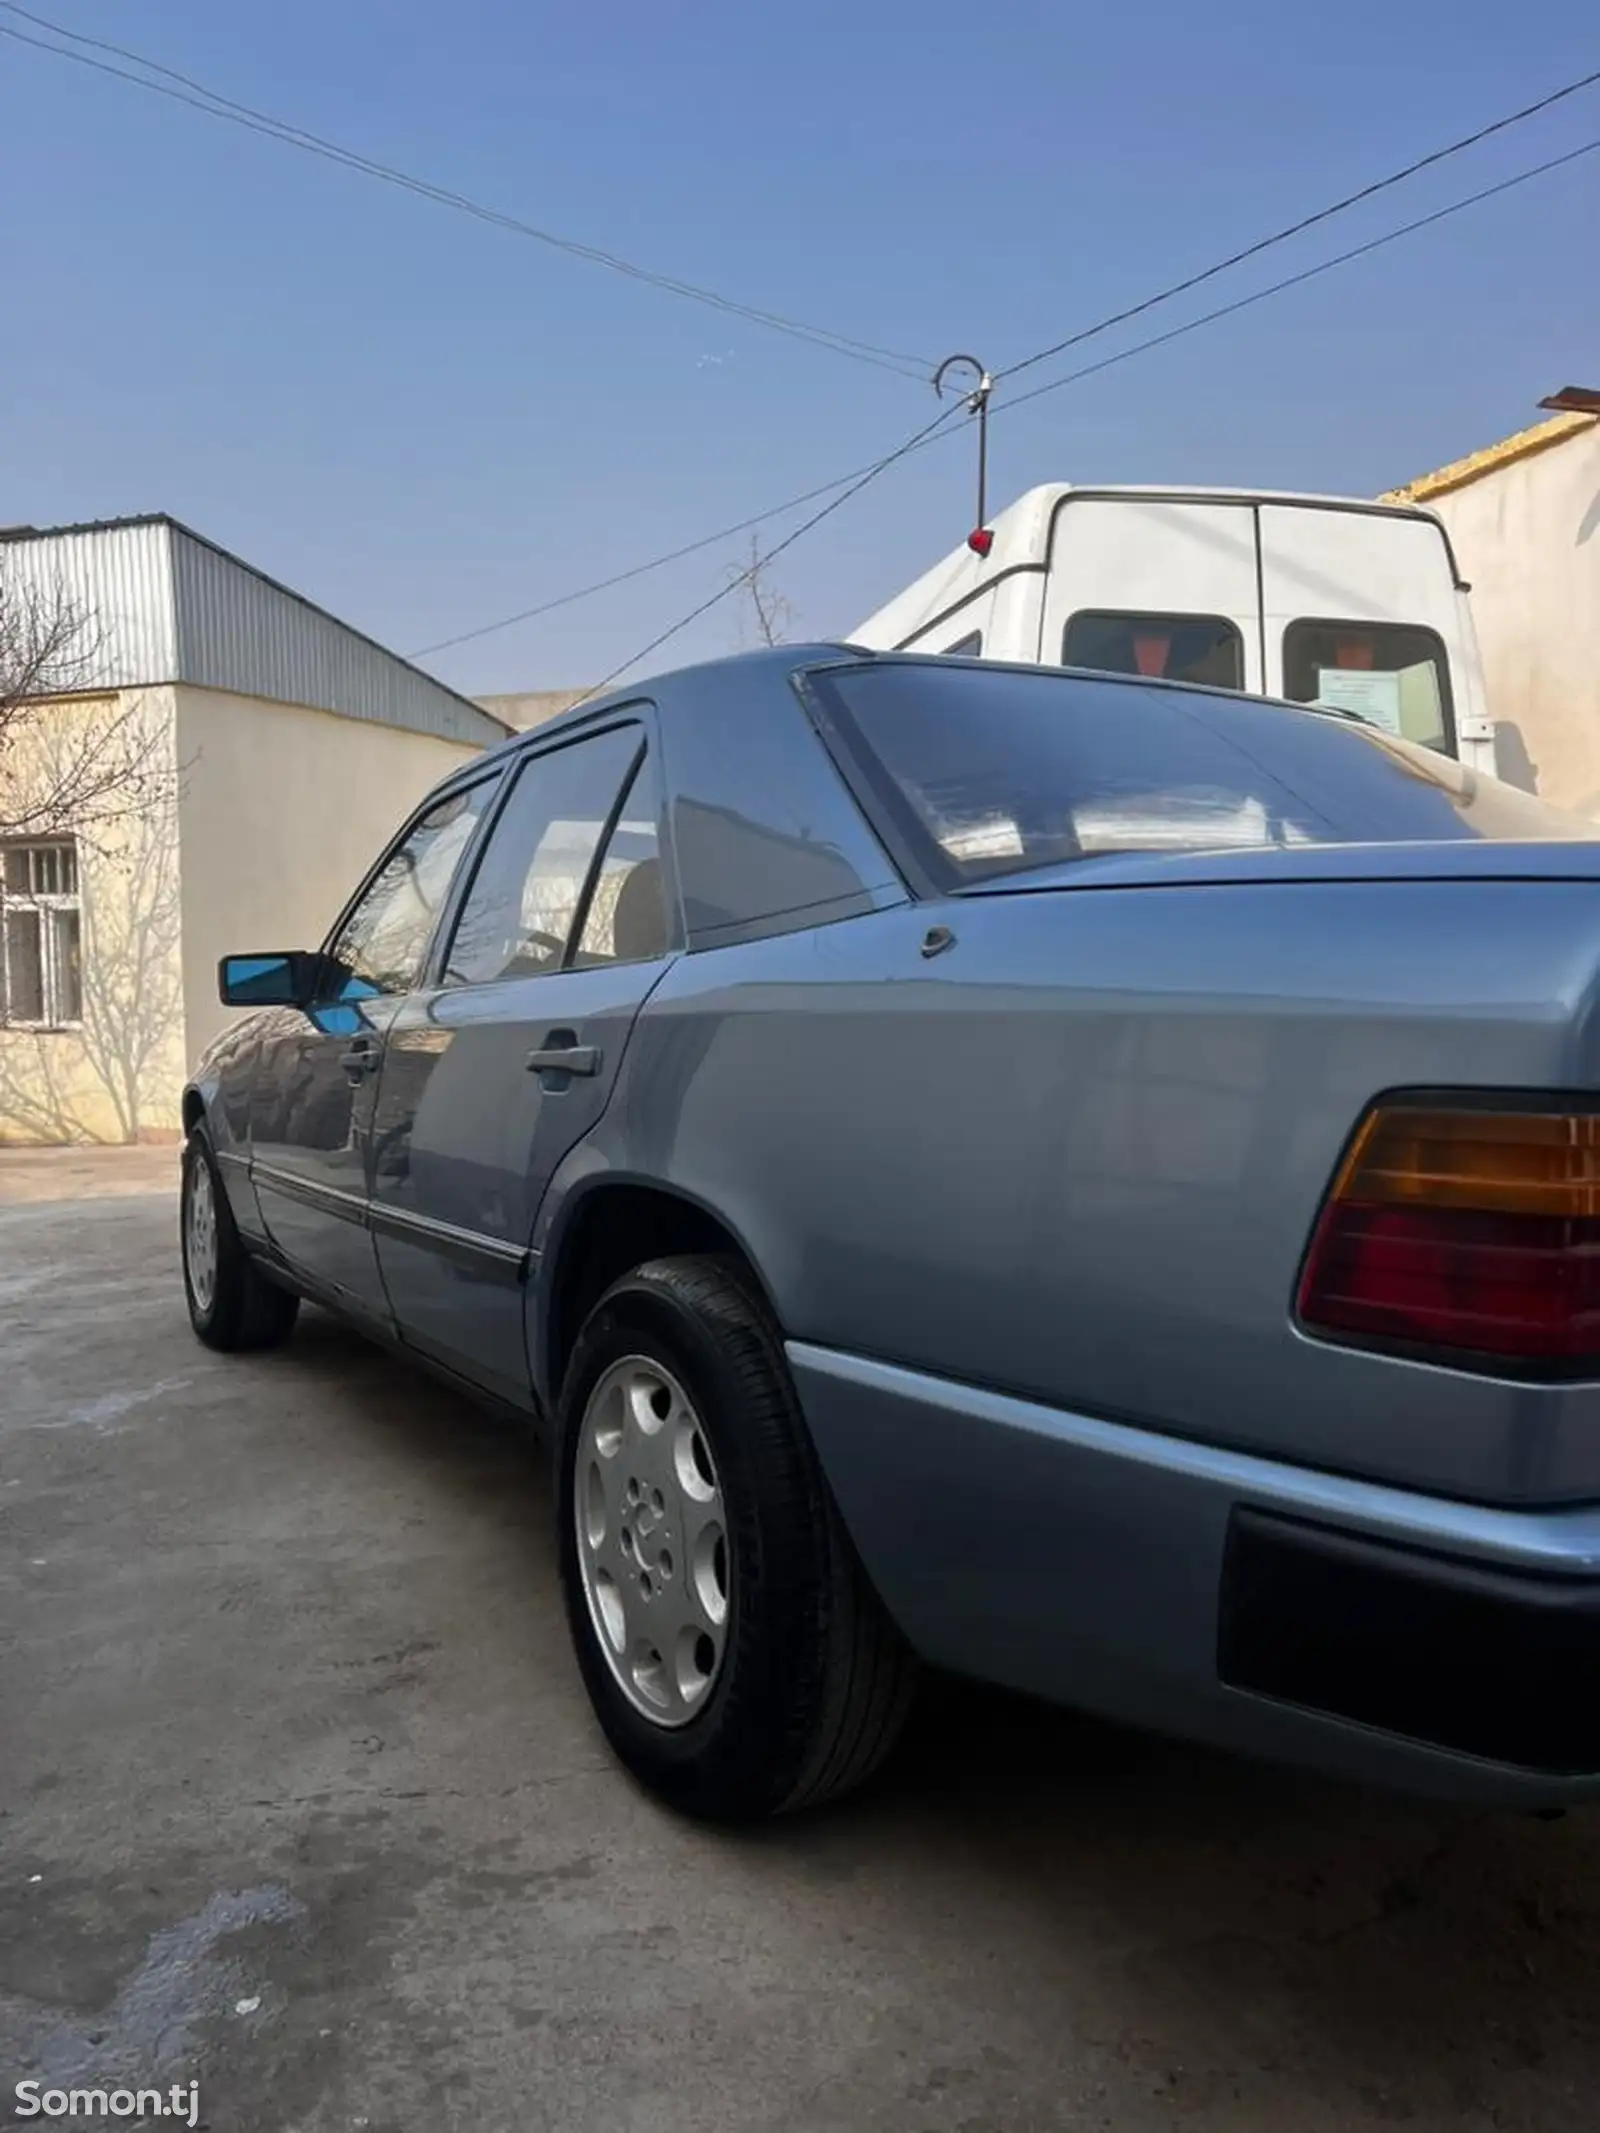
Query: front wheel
x,y
735,1654
232,1305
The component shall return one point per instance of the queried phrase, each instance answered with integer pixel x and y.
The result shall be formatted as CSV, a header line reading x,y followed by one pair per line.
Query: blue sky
x,y
425,423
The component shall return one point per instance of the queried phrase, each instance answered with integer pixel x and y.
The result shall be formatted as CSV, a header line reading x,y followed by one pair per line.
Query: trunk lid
x,y
1456,860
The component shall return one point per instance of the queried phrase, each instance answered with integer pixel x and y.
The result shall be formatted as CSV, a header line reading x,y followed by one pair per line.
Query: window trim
x,y
45,904
1447,702
1159,615
882,805
608,829
632,714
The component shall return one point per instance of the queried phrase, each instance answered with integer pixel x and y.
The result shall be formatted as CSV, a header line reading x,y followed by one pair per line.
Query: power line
x,y
880,466
184,89
638,570
198,96
1293,281
1306,222
1121,355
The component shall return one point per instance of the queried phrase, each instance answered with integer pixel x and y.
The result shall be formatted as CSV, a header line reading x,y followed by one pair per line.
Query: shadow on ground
x,y
1216,1920
299,1795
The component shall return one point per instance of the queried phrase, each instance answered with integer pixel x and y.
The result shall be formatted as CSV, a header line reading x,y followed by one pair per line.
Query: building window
x,y
41,936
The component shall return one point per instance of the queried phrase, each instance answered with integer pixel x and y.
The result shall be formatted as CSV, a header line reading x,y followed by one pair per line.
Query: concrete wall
x,y
1528,538
114,1076
282,811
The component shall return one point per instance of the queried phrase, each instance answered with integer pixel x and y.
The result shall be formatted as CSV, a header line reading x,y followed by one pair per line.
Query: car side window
x,y
519,913
626,921
383,943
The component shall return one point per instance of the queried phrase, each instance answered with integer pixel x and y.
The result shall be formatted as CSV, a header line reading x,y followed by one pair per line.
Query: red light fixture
x,y
980,541
1472,1233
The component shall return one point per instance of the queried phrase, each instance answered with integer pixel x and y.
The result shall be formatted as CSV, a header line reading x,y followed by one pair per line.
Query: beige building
x,y
1524,517
280,749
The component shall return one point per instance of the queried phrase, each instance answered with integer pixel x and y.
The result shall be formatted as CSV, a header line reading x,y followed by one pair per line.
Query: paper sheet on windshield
x,y
1372,696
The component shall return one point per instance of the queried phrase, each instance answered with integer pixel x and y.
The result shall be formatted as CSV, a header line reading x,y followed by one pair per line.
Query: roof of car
x,y
777,658
786,659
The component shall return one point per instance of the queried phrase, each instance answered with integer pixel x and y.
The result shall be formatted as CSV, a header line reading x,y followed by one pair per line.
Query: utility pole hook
x,y
980,539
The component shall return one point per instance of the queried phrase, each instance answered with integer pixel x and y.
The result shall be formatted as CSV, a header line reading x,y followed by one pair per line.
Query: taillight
x,y
1474,1231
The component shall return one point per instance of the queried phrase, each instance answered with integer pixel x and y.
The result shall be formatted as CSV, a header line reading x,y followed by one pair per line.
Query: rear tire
x,y
232,1304
736,1656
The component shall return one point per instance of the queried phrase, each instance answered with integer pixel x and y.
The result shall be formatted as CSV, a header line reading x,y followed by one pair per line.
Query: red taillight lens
x,y
1474,1231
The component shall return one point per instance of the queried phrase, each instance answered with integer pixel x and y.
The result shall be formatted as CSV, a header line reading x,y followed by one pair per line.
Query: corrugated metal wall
x,y
240,631
162,605
119,580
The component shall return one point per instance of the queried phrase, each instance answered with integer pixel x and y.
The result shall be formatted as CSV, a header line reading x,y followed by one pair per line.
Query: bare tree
x,y
129,1039
133,972
109,770
82,759
769,617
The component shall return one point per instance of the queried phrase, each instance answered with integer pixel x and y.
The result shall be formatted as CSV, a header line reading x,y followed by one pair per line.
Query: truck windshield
x,y
993,772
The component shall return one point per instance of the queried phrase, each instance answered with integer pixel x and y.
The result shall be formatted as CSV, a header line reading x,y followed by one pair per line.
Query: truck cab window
x,y
1200,648
1394,675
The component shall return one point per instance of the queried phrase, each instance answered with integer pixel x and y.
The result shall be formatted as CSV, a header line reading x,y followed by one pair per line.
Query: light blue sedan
x,y
1084,1182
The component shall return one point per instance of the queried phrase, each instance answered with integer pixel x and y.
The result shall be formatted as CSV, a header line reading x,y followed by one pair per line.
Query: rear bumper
x,y
1367,1631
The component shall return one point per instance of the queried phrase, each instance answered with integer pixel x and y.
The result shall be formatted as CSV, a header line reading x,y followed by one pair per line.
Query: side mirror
x,y
288,980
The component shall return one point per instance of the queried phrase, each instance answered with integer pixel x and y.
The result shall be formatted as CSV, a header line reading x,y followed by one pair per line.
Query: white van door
x,y
1361,612
1154,585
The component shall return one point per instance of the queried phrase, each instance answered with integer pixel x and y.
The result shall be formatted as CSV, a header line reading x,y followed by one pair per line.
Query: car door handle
x,y
564,1058
360,1060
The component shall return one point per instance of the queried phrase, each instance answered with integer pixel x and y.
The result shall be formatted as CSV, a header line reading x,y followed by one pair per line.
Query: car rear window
x,y
993,772
1394,675
1205,649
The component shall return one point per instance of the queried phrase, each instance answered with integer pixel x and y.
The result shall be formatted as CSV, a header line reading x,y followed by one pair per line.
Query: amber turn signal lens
x,y
1500,1162
1468,1232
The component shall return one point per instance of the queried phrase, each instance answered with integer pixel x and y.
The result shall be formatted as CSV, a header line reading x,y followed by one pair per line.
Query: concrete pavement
x,y
299,1797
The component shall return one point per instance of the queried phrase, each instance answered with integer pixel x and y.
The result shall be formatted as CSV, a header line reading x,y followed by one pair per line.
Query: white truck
x,y
1320,599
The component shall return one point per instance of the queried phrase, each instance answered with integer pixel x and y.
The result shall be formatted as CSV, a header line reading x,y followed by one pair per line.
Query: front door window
x,y
383,943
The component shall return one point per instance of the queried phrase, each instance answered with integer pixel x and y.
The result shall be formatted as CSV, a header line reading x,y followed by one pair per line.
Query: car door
x,y
317,1081
508,1057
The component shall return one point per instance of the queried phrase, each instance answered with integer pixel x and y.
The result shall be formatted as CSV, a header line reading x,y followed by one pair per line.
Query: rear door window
x,y
1395,676
519,915
626,921
1207,649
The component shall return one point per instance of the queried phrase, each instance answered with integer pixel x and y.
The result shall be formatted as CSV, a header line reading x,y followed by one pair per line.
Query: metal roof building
x,y
212,764
167,605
